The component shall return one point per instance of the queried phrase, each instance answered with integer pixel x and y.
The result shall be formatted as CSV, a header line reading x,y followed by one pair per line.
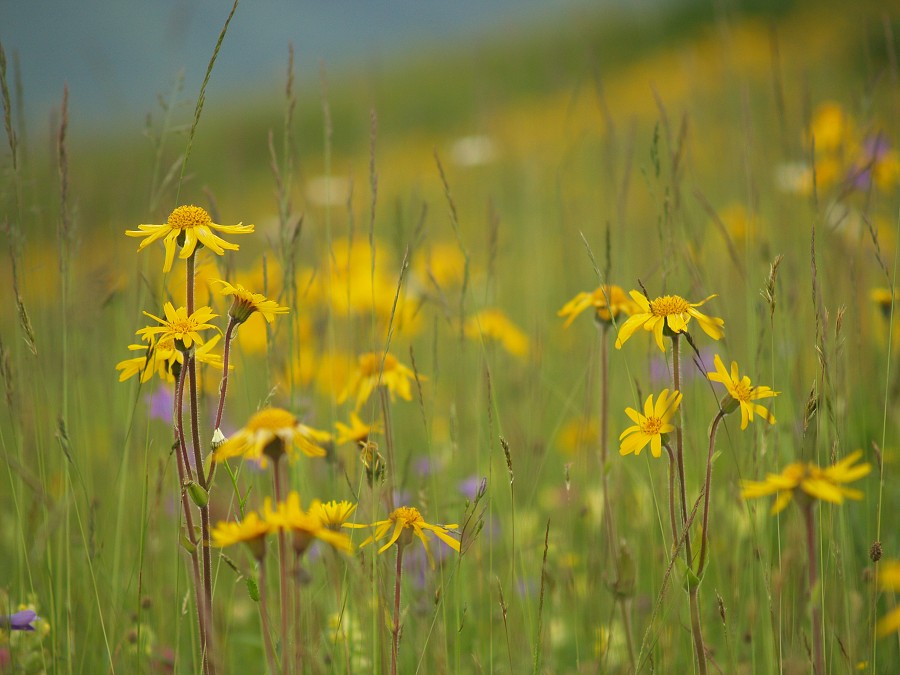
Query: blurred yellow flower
x,y
270,433
370,373
304,526
651,426
812,481
885,299
889,580
178,326
443,263
831,127
494,324
403,523
609,302
333,514
357,432
251,531
742,393
577,434
667,312
186,227
246,303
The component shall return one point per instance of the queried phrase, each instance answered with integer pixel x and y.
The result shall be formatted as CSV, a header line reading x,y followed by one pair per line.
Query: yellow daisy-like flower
x,y
609,302
368,375
889,580
186,227
333,514
650,427
671,312
402,524
161,357
246,302
742,393
252,531
357,432
812,481
270,433
494,324
178,326
305,526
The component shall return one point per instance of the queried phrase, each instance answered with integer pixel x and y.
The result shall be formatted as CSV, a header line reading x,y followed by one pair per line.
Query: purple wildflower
x,y
20,620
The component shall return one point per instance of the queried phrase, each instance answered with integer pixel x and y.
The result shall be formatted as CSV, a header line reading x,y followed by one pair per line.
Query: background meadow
x,y
395,208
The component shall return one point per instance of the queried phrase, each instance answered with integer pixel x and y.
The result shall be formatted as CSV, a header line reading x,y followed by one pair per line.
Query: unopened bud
x,y
198,495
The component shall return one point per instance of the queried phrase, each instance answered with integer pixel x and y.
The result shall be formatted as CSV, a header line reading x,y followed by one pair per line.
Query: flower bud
x,y
198,495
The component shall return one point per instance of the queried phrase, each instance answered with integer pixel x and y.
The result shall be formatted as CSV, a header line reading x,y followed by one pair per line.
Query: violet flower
x,y
20,620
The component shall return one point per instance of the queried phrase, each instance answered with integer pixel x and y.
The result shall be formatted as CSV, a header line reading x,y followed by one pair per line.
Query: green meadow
x,y
473,263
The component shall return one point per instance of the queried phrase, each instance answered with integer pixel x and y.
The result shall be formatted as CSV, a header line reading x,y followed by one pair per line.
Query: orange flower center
x,y
407,515
668,305
741,391
185,217
651,425
272,419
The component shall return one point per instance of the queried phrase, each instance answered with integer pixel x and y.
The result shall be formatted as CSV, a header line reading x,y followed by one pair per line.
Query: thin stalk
x,y
694,592
282,574
673,519
191,363
389,442
264,618
226,353
395,631
704,539
818,648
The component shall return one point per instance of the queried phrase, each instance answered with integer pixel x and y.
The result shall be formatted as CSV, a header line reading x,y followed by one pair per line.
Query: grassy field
x,y
444,213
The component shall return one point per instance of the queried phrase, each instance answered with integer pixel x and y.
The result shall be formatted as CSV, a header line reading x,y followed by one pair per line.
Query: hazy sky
x,y
118,55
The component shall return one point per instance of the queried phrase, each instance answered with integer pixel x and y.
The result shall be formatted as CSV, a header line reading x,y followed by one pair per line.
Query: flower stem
x,y
264,618
282,572
704,538
818,649
389,442
223,386
694,592
395,631
672,517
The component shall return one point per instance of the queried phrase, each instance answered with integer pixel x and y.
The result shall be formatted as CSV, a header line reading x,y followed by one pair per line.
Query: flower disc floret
x,y
187,227
667,313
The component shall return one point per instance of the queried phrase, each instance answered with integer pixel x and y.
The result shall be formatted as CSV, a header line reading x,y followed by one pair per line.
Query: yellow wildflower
x,y
161,357
186,227
178,326
333,514
246,302
812,481
494,324
742,393
667,312
252,531
609,302
650,427
371,373
403,523
357,432
305,526
270,433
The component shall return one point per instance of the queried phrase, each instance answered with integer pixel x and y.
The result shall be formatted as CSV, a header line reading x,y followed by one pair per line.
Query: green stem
x,y
704,538
818,648
264,618
282,572
395,631
696,628
673,519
